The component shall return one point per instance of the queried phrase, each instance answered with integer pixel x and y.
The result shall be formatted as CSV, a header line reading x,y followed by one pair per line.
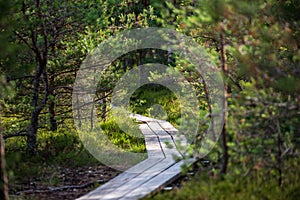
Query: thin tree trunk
x,y
4,179
146,3
279,154
225,155
53,122
104,107
199,138
78,111
93,103
41,72
31,138
224,162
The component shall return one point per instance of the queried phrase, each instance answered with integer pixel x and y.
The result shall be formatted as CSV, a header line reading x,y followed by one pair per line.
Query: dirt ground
x,y
64,184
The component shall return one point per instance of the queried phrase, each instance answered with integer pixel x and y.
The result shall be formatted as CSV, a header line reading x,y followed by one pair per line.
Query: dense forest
x,y
254,44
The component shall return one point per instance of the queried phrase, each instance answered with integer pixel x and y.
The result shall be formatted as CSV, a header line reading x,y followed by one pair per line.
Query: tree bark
x,y
41,74
104,107
31,138
53,122
37,107
279,154
224,162
4,179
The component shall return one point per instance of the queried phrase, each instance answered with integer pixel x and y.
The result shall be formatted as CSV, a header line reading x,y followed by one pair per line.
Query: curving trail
x,y
162,166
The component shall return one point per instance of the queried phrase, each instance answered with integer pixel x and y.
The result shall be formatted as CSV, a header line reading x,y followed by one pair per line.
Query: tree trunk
x,y
78,111
146,3
4,180
37,107
224,162
225,155
41,74
31,138
53,122
279,154
104,107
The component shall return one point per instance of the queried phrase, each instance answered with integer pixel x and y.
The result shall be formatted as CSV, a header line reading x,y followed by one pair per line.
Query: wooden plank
x,y
152,142
157,182
167,126
153,148
139,180
166,141
142,118
179,139
171,130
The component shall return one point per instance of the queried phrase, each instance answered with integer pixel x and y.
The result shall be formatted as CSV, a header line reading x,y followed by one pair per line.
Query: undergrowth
x,y
156,101
254,185
60,149
122,139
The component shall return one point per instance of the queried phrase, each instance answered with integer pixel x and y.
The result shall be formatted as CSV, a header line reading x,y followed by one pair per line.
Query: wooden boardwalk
x,y
162,166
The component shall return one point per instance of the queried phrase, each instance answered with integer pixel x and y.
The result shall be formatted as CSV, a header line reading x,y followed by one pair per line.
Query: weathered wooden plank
x,y
157,182
166,141
138,180
178,138
167,126
152,142
142,118
153,148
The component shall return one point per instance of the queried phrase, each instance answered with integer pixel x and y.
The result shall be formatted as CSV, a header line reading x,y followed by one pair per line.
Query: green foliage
x,y
60,148
262,75
204,186
125,141
262,128
261,36
147,96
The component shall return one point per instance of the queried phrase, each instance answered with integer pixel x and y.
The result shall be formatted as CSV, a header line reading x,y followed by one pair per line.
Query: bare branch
x,y
21,133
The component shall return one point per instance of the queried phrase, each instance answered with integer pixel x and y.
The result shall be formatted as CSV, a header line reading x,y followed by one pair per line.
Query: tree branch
x,y
21,133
